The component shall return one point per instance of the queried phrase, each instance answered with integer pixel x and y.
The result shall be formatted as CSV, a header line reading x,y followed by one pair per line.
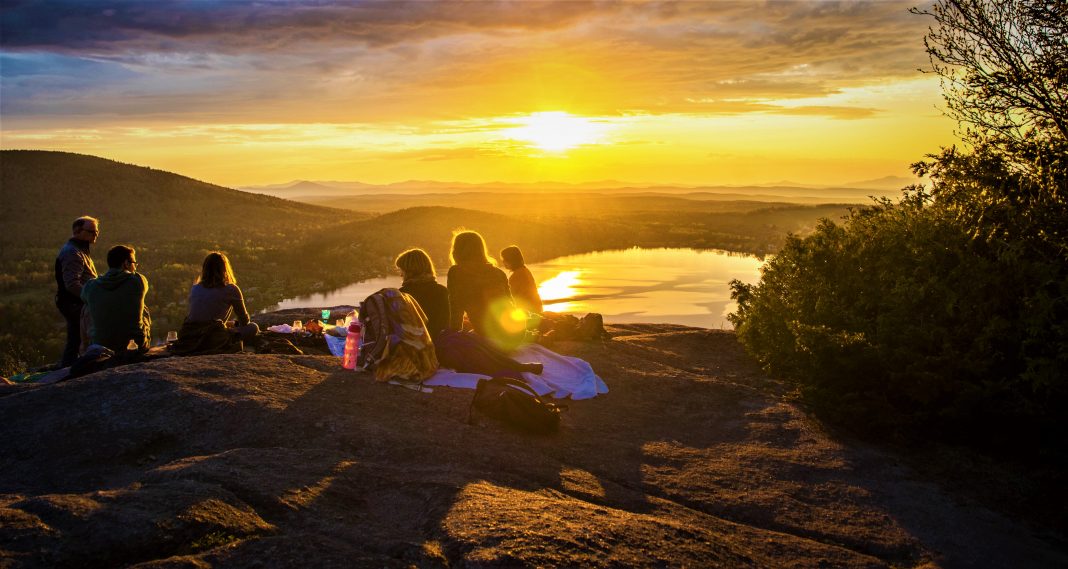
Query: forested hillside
x,y
172,221
282,249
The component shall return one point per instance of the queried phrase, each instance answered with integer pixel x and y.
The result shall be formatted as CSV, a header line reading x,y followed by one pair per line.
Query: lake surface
x,y
676,286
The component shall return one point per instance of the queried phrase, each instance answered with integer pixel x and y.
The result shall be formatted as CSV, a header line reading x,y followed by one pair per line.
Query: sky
x,y
239,93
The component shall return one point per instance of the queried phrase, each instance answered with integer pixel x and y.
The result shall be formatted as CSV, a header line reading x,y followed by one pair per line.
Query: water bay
x,y
676,286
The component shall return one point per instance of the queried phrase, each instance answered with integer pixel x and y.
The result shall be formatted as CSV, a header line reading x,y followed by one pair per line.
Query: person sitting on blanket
x,y
462,351
420,281
216,296
480,290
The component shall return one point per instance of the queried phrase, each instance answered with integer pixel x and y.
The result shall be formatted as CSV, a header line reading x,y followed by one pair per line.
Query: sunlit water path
x,y
677,286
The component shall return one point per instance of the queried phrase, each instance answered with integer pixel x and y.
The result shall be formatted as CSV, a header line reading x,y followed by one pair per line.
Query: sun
x,y
556,131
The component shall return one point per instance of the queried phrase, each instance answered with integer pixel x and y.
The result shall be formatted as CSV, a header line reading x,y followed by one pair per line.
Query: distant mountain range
x,y
424,192
886,183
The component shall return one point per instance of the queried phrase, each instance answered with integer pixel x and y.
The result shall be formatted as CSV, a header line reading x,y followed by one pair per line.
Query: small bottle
x,y
352,347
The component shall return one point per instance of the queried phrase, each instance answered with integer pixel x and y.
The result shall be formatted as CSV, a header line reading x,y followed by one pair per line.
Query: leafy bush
x,y
945,315
900,322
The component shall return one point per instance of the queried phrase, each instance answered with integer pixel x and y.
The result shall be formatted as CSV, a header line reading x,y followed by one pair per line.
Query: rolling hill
x,y
42,191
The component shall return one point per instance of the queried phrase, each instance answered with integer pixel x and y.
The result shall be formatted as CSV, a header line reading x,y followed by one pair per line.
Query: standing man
x,y
74,268
116,304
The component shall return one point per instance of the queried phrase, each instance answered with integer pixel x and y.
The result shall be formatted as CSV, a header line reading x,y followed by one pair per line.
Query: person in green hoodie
x,y
116,302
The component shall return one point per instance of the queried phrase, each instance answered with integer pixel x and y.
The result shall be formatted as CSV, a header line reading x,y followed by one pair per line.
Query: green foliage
x,y
902,321
946,315
899,321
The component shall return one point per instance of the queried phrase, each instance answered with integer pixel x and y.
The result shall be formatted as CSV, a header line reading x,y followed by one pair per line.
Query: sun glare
x,y
556,131
554,292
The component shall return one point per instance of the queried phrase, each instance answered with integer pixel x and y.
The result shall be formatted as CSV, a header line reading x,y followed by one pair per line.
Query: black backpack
x,y
512,402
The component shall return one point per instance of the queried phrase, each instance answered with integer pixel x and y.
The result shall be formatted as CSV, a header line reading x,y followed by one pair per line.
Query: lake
x,y
676,286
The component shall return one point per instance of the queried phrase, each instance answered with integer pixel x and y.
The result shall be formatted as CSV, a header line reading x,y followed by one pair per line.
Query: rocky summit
x,y
694,458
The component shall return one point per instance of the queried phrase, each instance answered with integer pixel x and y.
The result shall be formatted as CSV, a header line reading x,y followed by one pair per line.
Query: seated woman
x,y
521,282
479,290
215,296
462,351
420,281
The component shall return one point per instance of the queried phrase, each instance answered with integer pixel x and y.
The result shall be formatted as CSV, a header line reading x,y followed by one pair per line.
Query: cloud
x,y
237,26
243,61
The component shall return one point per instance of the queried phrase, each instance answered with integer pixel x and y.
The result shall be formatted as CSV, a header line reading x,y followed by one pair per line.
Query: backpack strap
x,y
518,384
525,387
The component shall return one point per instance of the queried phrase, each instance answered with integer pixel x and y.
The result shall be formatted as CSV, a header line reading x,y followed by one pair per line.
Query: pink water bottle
x,y
352,346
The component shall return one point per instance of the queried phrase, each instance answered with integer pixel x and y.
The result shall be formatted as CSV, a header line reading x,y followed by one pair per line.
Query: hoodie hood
x,y
114,278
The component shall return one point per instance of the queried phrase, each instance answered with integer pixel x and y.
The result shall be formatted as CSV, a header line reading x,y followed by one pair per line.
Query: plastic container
x,y
352,347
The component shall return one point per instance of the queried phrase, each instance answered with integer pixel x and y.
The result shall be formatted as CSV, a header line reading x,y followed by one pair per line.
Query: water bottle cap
x,y
354,327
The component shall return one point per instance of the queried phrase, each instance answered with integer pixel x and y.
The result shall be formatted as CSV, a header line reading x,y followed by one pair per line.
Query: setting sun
x,y
557,131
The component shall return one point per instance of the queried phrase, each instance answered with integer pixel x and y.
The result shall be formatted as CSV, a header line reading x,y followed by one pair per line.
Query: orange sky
x,y
240,93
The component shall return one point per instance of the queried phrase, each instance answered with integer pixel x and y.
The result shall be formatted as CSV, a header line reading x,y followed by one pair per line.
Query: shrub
x,y
899,322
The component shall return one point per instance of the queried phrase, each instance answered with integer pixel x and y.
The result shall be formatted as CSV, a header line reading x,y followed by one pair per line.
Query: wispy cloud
x,y
375,61
254,91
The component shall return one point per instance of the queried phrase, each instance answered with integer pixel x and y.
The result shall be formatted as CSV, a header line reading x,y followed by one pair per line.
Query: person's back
x,y
525,290
433,298
521,282
216,303
216,296
480,291
116,303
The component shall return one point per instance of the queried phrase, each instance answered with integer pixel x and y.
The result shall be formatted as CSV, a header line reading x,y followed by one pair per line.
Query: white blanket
x,y
563,376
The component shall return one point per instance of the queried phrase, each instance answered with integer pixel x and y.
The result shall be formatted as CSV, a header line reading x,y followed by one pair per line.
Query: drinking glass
x,y
172,336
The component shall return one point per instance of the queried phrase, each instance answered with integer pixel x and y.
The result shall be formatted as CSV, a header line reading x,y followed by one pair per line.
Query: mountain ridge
x,y
129,199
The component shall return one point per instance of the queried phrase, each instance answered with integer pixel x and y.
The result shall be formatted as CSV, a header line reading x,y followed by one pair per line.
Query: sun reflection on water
x,y
556,292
